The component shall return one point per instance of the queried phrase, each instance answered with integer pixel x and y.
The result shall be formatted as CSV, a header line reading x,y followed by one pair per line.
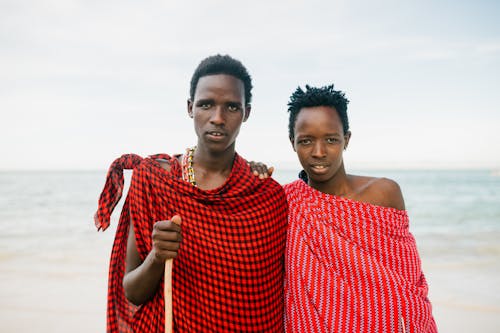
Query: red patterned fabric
x,y
228,275
351,267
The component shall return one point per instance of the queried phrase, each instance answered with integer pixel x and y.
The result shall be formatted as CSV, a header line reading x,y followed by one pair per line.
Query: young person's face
x,y
218,110
319,142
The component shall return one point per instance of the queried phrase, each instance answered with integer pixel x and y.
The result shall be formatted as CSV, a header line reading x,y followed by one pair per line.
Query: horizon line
x,y
278,168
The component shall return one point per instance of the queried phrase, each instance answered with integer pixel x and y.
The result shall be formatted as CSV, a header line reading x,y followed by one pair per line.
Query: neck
x,y
337,185
211,161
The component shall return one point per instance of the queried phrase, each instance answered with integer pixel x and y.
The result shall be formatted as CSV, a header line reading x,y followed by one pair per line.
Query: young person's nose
x,y
319,150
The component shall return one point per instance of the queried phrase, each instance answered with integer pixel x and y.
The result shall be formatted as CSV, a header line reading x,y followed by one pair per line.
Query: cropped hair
x,y
222,64
313,96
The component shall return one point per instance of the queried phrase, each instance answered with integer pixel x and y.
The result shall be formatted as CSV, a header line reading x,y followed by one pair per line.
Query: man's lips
x,y
216,134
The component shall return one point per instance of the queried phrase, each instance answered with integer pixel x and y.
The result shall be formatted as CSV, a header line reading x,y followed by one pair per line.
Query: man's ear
x,y
190,108
248,108
293,145
347,137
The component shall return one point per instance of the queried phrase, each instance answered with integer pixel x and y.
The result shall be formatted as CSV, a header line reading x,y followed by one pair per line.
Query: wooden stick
x,y
169,310
169,327
169,314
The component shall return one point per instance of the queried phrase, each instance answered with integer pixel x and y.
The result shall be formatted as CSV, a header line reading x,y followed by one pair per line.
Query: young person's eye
x,y
332,140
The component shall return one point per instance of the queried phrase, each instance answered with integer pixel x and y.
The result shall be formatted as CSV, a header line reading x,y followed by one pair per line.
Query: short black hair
x,y
313,96
222,64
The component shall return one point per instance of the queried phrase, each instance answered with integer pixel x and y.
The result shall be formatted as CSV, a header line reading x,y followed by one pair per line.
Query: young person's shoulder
x,y
380,191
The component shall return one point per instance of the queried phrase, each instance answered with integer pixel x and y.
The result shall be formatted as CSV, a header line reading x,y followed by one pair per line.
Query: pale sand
x,y
57,292
34,301
466,318
66,292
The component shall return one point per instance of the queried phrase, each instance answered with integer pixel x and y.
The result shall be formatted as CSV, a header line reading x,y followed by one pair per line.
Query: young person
x,y
229,268
351,262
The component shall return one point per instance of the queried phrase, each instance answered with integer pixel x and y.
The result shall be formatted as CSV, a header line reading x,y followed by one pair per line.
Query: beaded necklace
x,y
187,166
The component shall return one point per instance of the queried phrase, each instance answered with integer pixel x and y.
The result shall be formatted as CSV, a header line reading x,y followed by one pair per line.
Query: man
x,y
228,249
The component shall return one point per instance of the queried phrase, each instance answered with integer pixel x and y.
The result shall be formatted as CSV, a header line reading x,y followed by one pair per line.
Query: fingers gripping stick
x,y
168,287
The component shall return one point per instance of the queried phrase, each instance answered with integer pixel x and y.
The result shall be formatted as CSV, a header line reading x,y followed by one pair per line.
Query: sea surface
x,y
53,262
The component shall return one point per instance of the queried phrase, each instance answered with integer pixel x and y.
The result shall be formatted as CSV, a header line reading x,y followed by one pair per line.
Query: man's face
x,y
218,109
319,142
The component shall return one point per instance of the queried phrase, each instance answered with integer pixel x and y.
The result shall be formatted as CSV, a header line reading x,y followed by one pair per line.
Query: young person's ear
x,y
190,108
347,137
293,144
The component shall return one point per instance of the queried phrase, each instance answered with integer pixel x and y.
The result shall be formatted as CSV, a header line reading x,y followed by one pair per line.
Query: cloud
x,y
102,77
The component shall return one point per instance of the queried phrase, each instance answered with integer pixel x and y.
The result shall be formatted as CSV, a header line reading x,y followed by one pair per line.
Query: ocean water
x,y
52,259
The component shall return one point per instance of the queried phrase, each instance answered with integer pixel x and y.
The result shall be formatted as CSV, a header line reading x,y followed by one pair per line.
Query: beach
x,y
54,264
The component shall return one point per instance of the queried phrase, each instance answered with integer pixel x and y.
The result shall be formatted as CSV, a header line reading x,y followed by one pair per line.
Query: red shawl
x,y
228,275
351,267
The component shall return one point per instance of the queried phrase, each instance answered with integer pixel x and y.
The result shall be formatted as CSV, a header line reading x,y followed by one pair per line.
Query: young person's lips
x,y
318,168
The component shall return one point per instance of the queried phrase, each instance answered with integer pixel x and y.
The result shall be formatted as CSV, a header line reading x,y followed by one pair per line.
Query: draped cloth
x,y
351,267
228,274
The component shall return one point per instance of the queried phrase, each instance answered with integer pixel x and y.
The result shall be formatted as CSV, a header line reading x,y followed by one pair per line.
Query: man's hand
x,y
166,239
260,169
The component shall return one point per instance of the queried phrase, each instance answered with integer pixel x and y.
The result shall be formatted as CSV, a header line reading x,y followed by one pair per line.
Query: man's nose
x,y
217,116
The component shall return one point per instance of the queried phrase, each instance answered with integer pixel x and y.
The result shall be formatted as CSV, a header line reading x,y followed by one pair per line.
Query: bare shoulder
x,y
379,191
389,193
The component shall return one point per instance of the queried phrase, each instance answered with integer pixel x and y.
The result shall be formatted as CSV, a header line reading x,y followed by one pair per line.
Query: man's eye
x,y
233,108
304,141
205,106
332,140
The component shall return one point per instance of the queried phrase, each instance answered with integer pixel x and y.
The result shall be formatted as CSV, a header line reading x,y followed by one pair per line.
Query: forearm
x,y
142,283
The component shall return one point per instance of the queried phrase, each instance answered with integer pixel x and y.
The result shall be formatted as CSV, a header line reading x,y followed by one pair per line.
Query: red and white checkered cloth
x,y
228,275
351,267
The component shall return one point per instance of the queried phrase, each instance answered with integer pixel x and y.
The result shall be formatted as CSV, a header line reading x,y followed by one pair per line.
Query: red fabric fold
x,y
228,275
351,267
113,188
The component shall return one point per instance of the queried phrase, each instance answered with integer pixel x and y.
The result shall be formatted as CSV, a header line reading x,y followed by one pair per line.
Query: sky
x,y
82,82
